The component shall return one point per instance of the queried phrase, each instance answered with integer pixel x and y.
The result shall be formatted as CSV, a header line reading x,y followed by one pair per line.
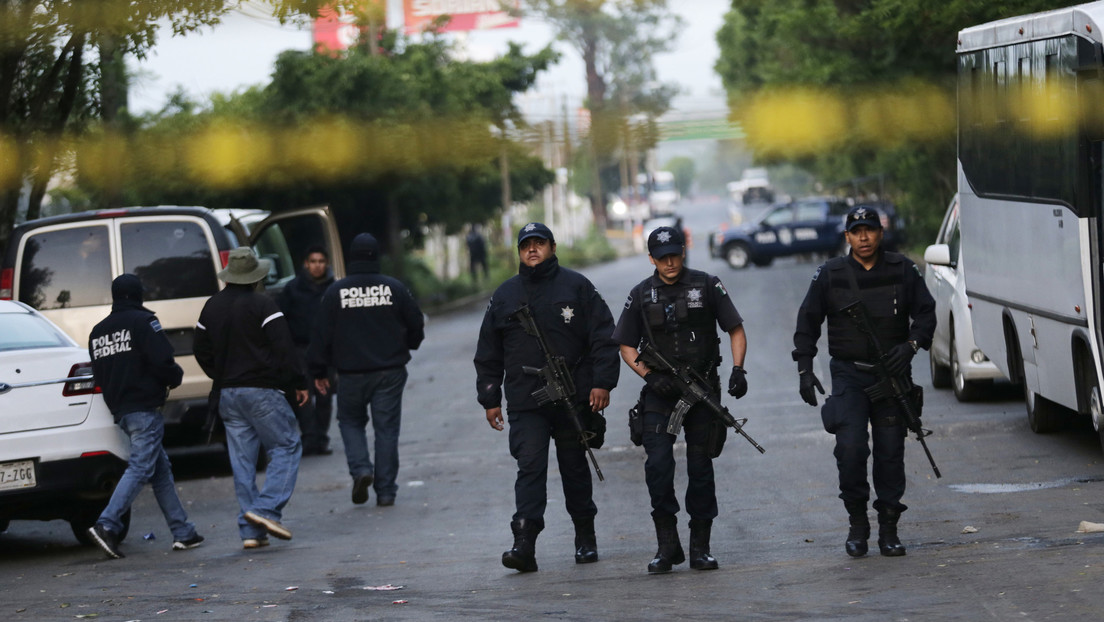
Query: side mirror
x,y
938,255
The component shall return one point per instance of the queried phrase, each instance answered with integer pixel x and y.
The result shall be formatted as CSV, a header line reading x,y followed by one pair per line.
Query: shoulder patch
x,y
917,268
628,303
155,325
817,273
720,288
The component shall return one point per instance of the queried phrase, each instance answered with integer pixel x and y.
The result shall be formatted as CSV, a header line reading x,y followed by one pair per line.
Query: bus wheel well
x,y
1084,371
1012,351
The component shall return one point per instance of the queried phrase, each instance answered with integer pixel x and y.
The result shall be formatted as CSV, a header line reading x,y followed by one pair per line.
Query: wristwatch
x,y
915,346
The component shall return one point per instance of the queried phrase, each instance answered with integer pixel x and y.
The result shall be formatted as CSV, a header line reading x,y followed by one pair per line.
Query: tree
x,y
832,77
617,40
683,169
394,140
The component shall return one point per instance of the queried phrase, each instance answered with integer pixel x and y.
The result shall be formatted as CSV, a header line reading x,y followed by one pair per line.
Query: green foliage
x,y
684,170
869,47
594,248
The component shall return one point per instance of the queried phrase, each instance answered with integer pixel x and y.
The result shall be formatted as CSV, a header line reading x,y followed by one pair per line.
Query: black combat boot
x,y
700,559
523,556
888,541
670,549
586,544
860,529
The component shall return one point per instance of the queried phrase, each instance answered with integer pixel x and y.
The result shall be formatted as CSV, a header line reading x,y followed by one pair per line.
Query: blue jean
x,y
258,418
148,463
383,391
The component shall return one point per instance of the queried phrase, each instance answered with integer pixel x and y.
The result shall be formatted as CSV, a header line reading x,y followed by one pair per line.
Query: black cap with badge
x,y
665,241
535,230
863,216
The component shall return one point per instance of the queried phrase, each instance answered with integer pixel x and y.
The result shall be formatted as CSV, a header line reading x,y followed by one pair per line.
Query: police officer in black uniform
x,y
903,314
577,325
678,310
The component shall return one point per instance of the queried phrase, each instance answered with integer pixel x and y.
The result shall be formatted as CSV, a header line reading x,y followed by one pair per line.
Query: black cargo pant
x,y
314,417
853,412
659,468
530,434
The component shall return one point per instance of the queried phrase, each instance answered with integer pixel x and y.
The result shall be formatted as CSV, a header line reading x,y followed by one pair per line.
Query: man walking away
x,y
299,301
477,253
132,363
243,343
366,327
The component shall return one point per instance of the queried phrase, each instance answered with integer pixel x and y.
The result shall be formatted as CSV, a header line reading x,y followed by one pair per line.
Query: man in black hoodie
x,y
366,327
299,301
132,363
242,342
578,325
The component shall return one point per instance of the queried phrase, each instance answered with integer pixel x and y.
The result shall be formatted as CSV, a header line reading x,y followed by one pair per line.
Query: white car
x,y
61,453
955,359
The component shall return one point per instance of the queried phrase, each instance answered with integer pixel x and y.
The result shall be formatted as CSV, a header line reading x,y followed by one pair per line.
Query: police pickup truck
x,y
810,225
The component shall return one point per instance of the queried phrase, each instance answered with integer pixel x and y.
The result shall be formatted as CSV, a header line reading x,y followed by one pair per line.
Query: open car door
x,y
285,237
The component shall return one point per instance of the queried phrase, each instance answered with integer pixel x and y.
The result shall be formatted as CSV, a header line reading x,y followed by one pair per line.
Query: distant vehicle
x,y
753,187
955,359
1031,210
810,225
63,266
663,196
61,453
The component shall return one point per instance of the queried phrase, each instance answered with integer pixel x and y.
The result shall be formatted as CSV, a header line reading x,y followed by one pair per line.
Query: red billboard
x,y
464,14
337,29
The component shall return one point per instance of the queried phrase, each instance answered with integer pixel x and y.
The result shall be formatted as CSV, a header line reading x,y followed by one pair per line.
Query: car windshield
x,y
23,331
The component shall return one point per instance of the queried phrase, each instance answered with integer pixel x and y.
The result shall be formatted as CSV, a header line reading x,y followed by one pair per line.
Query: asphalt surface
x,y
779,537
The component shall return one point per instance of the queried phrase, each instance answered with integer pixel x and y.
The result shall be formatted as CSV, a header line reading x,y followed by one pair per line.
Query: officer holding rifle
x,y
870,297
676,311
547,307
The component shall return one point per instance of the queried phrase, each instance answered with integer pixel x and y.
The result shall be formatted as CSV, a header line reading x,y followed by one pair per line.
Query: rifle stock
x,y
895,388
559,386
695,391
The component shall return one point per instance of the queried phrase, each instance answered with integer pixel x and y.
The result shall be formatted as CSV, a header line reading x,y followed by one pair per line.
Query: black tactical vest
x,y
682,322
883,296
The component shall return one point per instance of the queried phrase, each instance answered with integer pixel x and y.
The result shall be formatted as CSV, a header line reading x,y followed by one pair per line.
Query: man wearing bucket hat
x,y
677,311
577,324
367,325
902,313
243,343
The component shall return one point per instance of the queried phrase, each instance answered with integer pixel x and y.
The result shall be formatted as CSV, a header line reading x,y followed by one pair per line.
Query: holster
x,y
636,421
716,437
595,424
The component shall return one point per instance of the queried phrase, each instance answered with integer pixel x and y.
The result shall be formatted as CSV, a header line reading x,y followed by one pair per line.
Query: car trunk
x,y
38,407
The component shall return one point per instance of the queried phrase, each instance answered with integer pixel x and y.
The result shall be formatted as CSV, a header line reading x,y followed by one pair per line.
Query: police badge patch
x,y
664,236
567,314
694,299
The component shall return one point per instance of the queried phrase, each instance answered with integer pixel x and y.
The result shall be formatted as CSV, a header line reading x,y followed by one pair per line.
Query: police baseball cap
x,y
863,216
665,241
535,230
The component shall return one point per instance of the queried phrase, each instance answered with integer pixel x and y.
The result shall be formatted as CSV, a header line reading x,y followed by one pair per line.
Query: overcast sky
x,y
240,52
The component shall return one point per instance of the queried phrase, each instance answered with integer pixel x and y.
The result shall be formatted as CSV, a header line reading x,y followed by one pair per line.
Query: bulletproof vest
x,y
883,296
682,323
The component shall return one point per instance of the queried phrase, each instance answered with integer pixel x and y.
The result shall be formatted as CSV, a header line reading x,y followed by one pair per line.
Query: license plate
x,y
15,475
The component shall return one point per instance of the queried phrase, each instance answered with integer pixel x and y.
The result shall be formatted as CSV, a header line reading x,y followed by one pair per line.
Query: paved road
x,y
779,537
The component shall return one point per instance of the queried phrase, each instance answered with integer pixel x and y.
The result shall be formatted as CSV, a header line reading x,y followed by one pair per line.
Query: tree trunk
x,y
596,96
114,104
394,237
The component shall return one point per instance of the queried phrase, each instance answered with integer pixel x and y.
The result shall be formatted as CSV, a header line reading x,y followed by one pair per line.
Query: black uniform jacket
x,y
299,301
249,330
367,322
916,301
576,323
132,359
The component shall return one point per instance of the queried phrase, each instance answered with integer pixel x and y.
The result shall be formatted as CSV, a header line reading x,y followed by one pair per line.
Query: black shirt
x,y
630,326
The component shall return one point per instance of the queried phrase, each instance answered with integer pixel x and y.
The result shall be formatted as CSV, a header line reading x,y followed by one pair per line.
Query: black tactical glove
x,y
663,384
808,381
899,357
737,382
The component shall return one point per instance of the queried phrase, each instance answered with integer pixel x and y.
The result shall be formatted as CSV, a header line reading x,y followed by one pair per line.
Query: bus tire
x,y
1043,415
1096,410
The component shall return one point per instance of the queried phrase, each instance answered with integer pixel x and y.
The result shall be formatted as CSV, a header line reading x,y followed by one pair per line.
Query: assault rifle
x,y
695,390
559,385
899,389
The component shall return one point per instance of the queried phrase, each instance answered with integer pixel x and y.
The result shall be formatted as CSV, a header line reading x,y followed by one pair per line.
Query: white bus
x,y
1030,142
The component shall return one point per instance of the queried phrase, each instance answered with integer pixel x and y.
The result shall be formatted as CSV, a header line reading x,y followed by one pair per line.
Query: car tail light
x,y
84,386
93,454
224,257
7,278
